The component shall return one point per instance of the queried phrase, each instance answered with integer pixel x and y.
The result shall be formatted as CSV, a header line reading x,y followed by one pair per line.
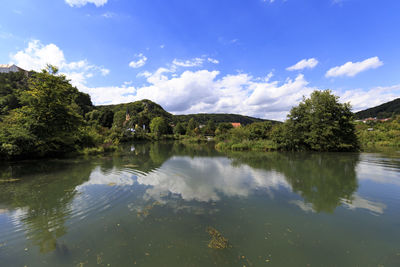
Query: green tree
x,y
223,128
191,127
319,123
210,128
106,118
158,126
179,129
259,130
47,123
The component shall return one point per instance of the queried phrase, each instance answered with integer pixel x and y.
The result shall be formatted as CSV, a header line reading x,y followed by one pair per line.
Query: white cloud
x,y
140,62
303,64
212,60
206,91
80,3
37,55
358,202
363,99
196,91
202,182
195,62
108,15
351,69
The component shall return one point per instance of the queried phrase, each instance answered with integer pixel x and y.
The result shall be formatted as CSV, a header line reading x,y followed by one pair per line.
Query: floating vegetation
x,y
10,180
146,210
131,166
217,240
99,258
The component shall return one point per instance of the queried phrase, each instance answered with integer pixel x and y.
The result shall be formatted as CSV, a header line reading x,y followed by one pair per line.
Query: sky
x,y
251,57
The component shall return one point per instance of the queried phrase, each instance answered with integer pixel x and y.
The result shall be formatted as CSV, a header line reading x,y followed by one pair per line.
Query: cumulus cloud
x,y
196,91
304,64
351,69
80,3
37,55
362,99
208,91
208,179
140,62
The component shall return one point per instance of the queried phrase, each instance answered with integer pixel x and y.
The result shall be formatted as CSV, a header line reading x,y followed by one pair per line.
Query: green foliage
x,y
47,120
119,119
210,128
106,118
11,86
223,128
379,134
158,126
84,102
191,127
179,129
259,130
203,118
319,123
140,112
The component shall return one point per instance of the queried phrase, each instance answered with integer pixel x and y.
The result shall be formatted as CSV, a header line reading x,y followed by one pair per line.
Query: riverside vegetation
x,y
42,114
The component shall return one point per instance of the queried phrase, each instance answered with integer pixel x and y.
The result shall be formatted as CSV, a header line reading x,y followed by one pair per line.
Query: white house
x,y
7,68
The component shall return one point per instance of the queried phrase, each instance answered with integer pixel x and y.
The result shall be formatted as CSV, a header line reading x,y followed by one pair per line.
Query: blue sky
x,y
253,57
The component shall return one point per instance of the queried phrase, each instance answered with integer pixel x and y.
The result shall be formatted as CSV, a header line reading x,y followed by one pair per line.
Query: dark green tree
x,y
48,122
179,129
106,118
319,123
210,128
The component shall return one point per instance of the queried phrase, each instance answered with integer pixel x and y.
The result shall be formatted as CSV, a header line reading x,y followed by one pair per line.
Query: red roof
x,y
236,124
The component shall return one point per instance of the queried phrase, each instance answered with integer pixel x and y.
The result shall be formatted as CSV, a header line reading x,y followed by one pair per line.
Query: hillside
x,y
385,110
149,110
202,118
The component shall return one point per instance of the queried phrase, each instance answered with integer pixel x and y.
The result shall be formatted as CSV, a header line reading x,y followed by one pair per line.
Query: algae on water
x,y
10,180
217,240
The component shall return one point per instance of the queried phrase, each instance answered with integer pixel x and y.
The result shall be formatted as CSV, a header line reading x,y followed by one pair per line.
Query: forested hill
x,y
147,108
202,118
385,110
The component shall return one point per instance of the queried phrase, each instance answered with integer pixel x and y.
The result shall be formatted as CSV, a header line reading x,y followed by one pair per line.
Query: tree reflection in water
x,y
43,201
323,179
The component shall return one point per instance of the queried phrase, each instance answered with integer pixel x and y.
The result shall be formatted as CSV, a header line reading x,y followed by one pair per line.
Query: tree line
x,y
42,114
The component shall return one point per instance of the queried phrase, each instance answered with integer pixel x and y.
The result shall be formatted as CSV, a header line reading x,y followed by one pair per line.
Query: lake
x,y
151,205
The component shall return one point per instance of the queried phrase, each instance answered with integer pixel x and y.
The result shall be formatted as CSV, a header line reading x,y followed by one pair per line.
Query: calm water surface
x,y
151,205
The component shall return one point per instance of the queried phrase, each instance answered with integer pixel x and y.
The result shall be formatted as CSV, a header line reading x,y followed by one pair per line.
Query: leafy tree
x,y
223,128
84,102
93,115
259,130
11,86
48,121
159,126
119,119
319,123
179,129
191,127
106,118
210,128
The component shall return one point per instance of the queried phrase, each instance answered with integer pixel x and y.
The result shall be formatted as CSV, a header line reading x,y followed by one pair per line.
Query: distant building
x,y
7,68
236,124
374,119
